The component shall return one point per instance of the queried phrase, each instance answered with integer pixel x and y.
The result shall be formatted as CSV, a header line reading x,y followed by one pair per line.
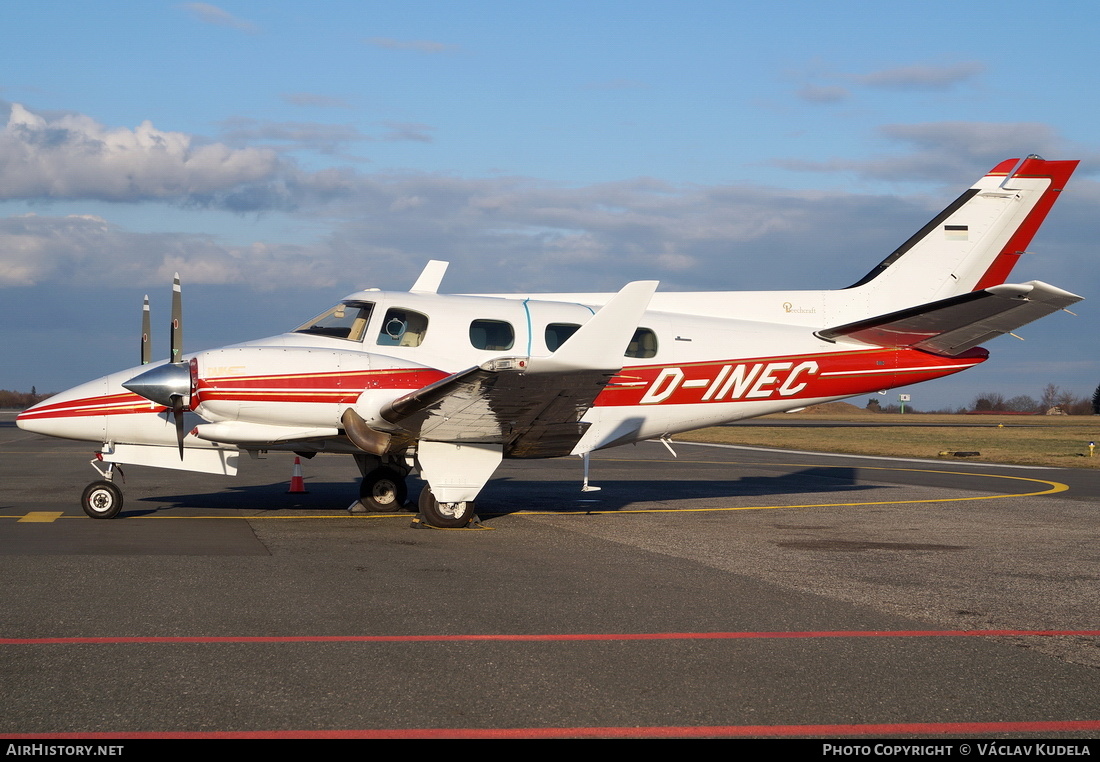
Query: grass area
x,y
1060,441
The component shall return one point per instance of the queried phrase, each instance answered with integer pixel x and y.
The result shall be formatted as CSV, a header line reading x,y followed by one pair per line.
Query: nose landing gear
x,y
102,499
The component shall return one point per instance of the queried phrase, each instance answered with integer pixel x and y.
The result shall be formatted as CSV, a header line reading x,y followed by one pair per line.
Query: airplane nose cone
x,y
28,419
73,414
162,383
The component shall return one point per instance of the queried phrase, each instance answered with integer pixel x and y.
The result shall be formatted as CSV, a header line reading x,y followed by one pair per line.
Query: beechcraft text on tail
x,y
446,386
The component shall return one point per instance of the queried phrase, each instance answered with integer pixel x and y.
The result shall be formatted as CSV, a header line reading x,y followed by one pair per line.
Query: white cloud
x,y
85,249
412,46
913,77
945,151
212,14
824,93
73,156
314,100
317,136
922,76
414,131
502,233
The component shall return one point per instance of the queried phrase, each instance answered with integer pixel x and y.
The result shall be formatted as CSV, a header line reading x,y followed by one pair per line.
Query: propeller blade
x,y
177,413
176,352
146,348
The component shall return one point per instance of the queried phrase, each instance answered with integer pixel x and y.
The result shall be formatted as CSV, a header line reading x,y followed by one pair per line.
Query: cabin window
x,y
495,335
557,333
347,320
643,345
402,328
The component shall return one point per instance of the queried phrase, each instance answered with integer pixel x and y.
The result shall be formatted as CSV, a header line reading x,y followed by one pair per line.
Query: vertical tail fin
x,y
973,243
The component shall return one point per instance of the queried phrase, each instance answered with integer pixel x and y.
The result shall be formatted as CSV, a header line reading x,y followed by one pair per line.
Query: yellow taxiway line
x,y
1052,488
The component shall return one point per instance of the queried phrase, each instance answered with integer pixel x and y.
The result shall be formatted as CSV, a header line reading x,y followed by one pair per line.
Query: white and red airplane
x,y
448,385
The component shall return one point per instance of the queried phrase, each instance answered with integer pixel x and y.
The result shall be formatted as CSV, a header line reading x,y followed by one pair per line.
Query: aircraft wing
x,y
952,326
531,405
532,414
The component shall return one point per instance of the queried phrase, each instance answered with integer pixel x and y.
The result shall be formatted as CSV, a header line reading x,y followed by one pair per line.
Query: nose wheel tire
x,y
383,490
445,515
101,500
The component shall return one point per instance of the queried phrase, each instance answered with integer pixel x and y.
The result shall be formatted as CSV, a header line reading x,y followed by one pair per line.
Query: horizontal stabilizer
x,y
953,325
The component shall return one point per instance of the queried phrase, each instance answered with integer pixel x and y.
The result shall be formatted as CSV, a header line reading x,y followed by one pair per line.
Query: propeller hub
x,y
162,383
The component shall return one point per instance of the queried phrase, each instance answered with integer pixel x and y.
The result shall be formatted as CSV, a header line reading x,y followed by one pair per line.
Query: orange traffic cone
x,y
297,483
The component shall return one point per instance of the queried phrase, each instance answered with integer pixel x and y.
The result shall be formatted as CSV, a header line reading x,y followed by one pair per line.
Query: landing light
x,y
506,363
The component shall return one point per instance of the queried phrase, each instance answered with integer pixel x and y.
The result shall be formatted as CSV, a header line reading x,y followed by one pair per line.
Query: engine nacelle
x,y
254,384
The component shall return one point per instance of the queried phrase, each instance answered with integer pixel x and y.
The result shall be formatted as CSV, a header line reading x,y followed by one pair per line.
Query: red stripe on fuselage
x,y
780,377
334,387
125,403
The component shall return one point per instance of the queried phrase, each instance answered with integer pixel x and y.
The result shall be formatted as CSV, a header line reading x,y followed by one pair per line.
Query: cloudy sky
x,y
282,154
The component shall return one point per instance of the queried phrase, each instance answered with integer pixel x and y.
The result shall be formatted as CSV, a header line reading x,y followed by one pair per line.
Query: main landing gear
x,y
444,515
383,490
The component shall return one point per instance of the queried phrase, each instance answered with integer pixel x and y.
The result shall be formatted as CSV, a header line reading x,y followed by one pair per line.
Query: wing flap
x,y
953,325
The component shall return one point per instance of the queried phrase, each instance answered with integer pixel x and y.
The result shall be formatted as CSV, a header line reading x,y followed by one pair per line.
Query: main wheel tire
x,y
383,490
101,500
445,515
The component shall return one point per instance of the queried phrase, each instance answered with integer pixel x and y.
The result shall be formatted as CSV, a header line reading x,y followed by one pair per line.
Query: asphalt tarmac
x,y
725,592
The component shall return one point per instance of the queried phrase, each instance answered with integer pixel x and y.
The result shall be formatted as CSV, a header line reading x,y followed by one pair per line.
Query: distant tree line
x,y
1054,401
20,400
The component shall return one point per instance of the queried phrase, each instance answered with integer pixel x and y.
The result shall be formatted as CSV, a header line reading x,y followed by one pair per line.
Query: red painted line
x,y
685,731
547,637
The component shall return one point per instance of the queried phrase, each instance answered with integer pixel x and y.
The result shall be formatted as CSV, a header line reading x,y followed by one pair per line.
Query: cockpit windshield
x,y
347,320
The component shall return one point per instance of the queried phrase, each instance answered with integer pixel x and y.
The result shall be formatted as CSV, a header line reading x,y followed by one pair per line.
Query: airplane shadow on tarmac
x,y
511,494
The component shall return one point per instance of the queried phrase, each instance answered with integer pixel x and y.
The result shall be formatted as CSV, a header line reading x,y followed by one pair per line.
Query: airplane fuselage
x,y
295,387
